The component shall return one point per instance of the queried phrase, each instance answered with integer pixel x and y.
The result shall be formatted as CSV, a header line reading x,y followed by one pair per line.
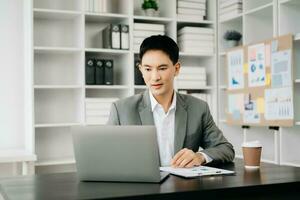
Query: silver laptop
x,y
117,153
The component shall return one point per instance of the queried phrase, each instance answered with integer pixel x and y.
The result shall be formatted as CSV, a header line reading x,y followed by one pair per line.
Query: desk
x,y
270,182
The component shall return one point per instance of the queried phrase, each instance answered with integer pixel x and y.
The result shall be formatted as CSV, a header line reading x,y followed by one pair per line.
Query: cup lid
x,y
255,143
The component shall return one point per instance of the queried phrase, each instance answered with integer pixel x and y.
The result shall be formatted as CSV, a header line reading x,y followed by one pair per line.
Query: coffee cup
x,y
252,154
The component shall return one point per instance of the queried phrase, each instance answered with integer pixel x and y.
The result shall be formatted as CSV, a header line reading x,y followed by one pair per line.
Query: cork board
x,y
260,83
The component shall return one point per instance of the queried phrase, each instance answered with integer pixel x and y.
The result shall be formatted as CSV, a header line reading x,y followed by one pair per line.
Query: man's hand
x,y
187,158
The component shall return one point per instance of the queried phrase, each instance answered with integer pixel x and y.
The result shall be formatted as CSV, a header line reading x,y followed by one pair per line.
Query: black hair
x,y
163,43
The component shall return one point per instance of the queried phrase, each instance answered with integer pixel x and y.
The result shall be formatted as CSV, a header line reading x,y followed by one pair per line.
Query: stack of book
x,y
98,6
196,40
97,110
191,10
144,30
230,9
191,77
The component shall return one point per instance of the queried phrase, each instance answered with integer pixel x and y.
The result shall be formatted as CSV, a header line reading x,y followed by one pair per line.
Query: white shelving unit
x,y
260,20
64,36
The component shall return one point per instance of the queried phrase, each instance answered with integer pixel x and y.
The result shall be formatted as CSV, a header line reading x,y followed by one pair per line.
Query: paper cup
x,y
252,154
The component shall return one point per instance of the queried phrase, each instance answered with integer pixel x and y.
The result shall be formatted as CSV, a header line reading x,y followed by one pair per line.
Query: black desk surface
x,y
270,182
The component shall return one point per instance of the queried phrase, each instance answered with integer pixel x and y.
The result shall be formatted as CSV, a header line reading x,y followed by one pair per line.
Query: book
x,y
108,72
99,72
191,84
192,70
196,43
194,77
111,37
195,37
191,11
196,1
195,30
149,27
124,29
90,71
139,33
196,171
187,4
187,17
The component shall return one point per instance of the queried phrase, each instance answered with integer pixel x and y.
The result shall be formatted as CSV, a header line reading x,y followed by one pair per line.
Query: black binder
x,y
109,72
138,77
90,71
99,76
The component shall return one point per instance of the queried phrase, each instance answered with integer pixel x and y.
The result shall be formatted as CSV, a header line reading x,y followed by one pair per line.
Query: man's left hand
x,y
186,158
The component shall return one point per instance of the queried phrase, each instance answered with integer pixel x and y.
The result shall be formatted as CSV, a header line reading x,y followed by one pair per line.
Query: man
x,y
183,123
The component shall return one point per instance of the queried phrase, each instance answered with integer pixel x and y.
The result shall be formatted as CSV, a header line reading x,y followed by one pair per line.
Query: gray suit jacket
x,y
194,125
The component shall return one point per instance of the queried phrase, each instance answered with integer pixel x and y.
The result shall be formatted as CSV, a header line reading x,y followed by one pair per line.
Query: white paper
x,y
195,171
257,68
235,103
279,104
235,69
281,69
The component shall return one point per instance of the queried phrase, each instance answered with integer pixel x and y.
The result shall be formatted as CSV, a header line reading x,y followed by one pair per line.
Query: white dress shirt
x,y
165,130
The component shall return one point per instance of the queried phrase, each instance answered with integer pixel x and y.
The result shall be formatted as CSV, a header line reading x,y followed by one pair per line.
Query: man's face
x,y
158,72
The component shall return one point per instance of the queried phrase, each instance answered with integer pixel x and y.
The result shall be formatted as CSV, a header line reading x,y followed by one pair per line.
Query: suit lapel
x,y
180,124
145,111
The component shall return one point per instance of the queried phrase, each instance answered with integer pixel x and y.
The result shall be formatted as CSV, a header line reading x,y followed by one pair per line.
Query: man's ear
x,y
140,68
177,68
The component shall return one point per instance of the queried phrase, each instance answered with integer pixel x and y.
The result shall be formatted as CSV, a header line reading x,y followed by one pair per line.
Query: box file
x,y
108,72
111,37
99,75
90,71
124,36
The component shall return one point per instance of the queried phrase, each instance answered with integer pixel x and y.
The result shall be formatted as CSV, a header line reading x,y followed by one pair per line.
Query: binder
x,y
99,76
124,36
112,37
108,72
138,77
90,71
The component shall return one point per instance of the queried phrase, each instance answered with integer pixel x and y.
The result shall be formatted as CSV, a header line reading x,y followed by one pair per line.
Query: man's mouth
x,y
156,86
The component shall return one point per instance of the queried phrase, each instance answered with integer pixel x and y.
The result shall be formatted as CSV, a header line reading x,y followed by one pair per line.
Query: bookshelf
x,y
268,18
64,34
59,35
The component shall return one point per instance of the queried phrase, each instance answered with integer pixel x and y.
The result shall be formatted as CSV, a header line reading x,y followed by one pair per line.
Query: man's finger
x,y
178,155
191,164
185,161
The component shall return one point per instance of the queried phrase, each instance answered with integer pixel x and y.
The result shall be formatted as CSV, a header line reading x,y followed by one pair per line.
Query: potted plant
x,y
232,38
150,7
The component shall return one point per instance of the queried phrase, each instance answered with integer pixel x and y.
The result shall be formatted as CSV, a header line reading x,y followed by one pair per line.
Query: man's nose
x,y
155,75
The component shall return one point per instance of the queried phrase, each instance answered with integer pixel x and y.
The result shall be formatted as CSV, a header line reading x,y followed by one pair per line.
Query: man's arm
x,y
113,115
214,144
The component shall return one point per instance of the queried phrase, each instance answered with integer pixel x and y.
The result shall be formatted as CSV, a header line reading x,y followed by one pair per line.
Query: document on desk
x,y
196,171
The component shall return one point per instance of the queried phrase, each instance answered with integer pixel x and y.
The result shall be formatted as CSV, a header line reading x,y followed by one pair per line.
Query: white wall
x,y
12,99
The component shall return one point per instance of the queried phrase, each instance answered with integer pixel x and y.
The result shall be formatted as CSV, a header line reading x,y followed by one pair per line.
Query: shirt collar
x,y
154,103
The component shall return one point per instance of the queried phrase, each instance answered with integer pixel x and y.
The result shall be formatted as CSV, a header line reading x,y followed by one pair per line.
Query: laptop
x,y
117,153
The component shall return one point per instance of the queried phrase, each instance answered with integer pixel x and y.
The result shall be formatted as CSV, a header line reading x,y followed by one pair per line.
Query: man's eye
x,y
162,68
147,69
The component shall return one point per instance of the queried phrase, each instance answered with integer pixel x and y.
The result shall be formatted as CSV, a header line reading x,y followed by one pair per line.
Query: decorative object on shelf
x,y
232,38
150,8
